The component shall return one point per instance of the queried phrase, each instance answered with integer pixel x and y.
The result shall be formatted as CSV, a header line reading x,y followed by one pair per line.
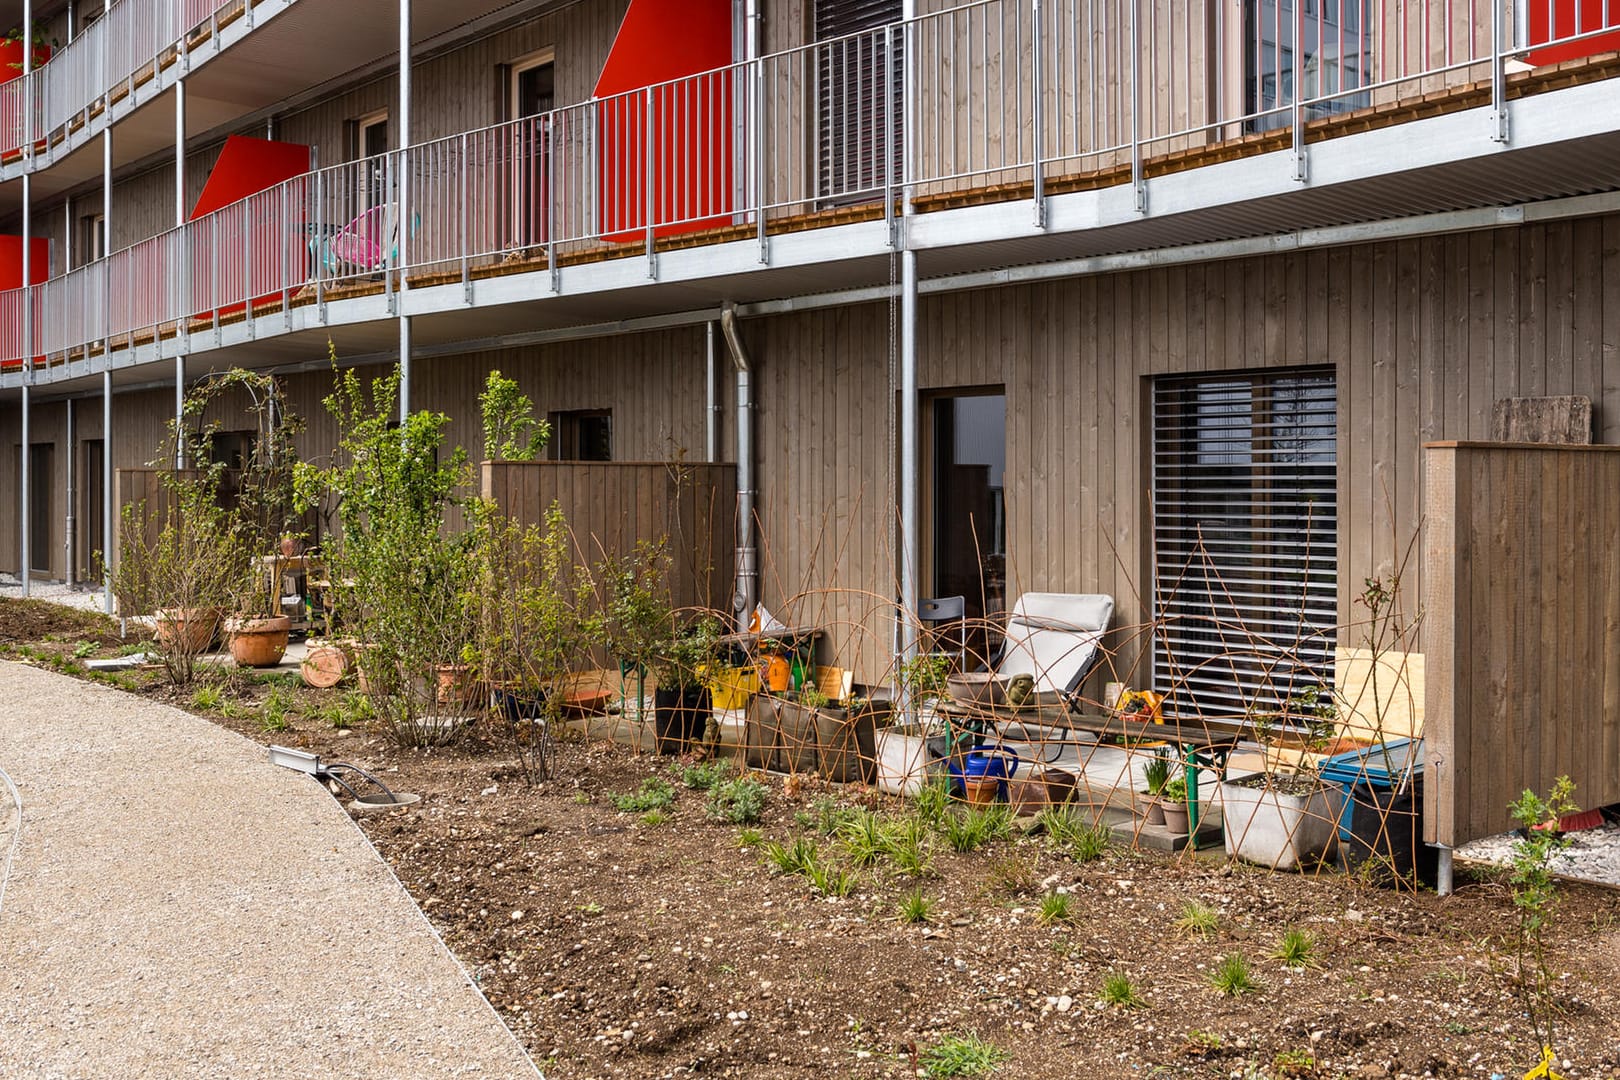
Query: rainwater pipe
x,y
747,593
711,393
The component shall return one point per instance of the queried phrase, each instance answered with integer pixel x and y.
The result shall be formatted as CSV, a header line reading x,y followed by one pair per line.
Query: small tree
x,y
406,578
511,430
1535,894
637,612
535,622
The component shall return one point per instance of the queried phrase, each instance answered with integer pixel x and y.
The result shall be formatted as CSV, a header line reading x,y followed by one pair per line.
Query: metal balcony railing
x,y
110,58
998,96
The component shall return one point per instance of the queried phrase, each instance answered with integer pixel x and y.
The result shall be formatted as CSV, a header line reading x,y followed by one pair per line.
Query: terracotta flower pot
x,y
258,642
192,631
325,665
1176,819
981,790
1155,809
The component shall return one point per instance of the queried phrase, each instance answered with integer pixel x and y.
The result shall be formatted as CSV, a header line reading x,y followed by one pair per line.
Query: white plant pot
x,y
1278,830
903,757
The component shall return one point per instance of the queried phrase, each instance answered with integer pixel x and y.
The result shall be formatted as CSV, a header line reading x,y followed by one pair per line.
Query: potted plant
x,y
907,750
1155,775
1173,800
682,707
800,718
1285,815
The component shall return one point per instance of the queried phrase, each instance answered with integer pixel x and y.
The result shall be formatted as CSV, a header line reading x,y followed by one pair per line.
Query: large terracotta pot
x,y
191,631
258,642
326,664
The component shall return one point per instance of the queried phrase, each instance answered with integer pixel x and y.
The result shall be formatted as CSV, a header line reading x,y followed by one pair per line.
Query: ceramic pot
x,y
191,631
1176,819
257,642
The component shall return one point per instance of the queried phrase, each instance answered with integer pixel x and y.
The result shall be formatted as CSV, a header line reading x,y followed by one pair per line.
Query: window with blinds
x,y
1245,536
858,98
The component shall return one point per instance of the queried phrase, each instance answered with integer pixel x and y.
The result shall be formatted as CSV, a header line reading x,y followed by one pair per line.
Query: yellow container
x,y
733,688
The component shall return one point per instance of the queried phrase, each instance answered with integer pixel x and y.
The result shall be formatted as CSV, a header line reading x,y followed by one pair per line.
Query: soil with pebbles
x,y
618,946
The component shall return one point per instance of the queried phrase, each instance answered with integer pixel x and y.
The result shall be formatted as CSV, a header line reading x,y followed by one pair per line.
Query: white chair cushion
x,y
1054,636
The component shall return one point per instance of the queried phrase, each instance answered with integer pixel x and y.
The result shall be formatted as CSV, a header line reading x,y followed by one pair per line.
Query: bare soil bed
x,y
620,943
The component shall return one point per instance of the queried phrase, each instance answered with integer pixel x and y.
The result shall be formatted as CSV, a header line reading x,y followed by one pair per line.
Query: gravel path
x,y
177,907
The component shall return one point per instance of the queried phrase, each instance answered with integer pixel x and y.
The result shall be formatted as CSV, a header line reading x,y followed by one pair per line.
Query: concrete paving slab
x,y
177,906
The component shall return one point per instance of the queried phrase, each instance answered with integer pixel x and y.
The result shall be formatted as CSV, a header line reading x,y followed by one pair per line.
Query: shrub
x,y
737,802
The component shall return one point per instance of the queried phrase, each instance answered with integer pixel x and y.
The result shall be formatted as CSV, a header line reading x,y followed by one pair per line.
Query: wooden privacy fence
x,y
132,486
612,506
1522,629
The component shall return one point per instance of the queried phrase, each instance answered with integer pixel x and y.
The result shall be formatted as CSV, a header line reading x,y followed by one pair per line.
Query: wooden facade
x,y
1523,622
612,507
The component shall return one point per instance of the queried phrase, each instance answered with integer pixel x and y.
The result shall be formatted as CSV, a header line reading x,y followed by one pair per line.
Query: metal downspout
x,y
711,393
109,505
402,226
908,364
747,593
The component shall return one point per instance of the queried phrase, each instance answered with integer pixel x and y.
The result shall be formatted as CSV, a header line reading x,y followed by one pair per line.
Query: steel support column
x,y
711,394
179,411
906,639
24,556
179,219
109,498
402,212
69,523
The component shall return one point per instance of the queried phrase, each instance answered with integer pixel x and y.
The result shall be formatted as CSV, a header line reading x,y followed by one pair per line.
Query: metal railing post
x,y
756,133
461,224
647,149
1499,116
1297,110
1038,189
286,264
247,272
888,119
390,218
1136,110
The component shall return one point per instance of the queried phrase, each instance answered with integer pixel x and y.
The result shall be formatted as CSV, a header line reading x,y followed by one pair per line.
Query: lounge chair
x,y
1055,637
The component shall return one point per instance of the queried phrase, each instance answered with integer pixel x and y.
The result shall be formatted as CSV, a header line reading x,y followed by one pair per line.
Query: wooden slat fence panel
x,y
613,506
1522,602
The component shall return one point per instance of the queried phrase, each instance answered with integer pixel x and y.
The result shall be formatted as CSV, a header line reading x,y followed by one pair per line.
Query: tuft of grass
x,y
740,801
1013,874
1230,976
914,907
1056,907
655,793
961,1055
273,713
830,879
828,815
207,698
932,802
84,649
749,838
1059,824
862,838
794,858
704,776
905,841
971,829
1089,842
1296,949
1118,991
1198,920
653,818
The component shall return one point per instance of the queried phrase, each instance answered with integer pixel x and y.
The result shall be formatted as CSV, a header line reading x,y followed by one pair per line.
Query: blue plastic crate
x,y
1380,766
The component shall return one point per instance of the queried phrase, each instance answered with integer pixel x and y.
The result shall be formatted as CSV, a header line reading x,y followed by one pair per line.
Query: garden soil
x,y
618,944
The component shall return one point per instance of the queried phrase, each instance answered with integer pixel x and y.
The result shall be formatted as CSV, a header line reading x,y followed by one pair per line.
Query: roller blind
x,y
1245,537
858,98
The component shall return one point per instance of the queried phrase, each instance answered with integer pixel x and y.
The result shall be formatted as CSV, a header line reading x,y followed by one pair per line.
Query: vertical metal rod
x,y
711,414
25,557
179,411
1296,105
756,127
1442,881
909,525
647,179
107,493
1499,119
404,368
1038,188
28,274
71,525
106,264
888,123
461,223
1136,108
179,151
28,88
286,264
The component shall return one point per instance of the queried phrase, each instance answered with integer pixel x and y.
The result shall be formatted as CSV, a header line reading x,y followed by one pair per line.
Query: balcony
x,y
1104,127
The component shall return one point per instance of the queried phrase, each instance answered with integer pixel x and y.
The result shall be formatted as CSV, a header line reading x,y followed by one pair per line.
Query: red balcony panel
x,y
255,240
1552,20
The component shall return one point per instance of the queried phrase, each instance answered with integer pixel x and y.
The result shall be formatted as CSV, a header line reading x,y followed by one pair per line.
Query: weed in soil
x,y
962,1055
1056,907
914,907
1198,920
736,802
1296,949
655,793
1230,977
1120,992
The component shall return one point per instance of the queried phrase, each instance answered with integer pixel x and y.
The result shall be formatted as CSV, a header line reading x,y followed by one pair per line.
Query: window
x,y
1335,42
368,139
89,14
858,99
582,435
1245,535
92,238
969,454
531,95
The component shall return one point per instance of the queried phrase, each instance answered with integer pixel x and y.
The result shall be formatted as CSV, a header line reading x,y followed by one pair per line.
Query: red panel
x,y
1568,17
690,120
11,306
246,241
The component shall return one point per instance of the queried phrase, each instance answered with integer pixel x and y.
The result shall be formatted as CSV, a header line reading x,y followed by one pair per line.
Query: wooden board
x,y
1565,419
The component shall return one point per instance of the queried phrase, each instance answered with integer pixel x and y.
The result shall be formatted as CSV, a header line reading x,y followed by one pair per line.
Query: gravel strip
x,y
180,907
1593,854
